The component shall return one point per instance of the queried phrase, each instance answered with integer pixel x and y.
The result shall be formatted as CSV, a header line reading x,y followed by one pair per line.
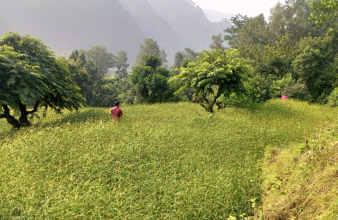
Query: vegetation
x,y
172,161
324,11
300,181
150,47
216,74
30,73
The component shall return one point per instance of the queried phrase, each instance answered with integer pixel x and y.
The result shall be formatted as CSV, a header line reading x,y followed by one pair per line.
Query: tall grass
x,y
165,161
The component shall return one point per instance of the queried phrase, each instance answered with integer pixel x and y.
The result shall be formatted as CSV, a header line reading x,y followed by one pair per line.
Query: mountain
x,y
191,25
65,25
153,26
216,16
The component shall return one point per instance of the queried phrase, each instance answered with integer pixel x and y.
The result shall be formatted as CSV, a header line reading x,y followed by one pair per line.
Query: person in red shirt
x,y
116,112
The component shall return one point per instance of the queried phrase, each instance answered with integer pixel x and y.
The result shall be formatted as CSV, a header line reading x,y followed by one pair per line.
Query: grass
x,y
301,180
164,161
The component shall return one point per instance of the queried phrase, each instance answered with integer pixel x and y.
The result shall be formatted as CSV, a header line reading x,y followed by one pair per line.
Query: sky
x,y
244,7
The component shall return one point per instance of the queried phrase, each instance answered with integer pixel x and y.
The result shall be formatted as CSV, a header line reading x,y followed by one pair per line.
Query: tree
x,y
324,11
250,32
217,42
292,19
102,59
29,72
121,64
79,56
149,80
150,47
177,60
237,23
79,74
315,66
218,73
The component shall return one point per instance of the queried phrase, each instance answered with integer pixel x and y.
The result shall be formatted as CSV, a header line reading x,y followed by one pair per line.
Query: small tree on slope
x,y
218,73
29,72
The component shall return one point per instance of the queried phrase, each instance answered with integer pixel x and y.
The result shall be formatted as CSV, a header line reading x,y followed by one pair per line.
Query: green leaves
x,y
30,73
324,11
217,73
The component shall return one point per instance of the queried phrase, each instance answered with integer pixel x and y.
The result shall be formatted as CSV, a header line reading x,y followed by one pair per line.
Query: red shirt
x,y
116,112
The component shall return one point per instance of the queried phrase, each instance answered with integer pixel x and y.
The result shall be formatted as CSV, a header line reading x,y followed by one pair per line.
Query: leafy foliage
x,y
30,72
150,47
333,98
215,74
324,11
149,81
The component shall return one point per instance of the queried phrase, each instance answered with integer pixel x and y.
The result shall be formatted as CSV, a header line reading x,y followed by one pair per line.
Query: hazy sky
x,y
244,7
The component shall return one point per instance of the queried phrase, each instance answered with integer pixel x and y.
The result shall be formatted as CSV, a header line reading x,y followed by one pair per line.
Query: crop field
x,y
163,161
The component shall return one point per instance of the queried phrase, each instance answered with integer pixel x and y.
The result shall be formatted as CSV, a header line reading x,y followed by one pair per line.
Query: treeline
x,y
294,54
291,55
104,77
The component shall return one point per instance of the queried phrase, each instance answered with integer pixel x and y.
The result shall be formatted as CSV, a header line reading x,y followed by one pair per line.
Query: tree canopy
x,y
324,11
30,73
217,73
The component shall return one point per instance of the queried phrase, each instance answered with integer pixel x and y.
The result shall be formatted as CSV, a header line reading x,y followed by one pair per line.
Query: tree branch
x,y
2,116
35,108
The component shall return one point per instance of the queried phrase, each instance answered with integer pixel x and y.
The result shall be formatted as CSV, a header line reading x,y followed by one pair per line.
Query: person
x,y
116,112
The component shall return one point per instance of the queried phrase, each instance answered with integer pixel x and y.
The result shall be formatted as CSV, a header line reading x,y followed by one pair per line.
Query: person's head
x,y
117,103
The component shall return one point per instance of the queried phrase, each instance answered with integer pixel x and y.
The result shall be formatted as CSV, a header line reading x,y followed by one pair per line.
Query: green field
x,y
164,161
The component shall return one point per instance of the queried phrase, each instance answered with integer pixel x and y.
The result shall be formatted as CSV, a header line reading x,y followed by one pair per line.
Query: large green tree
x,y
247,32
315,64
149,81
218,73
324,11
102,59
30,72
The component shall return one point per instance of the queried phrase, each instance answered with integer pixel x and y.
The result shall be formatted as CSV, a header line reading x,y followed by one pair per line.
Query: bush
x,y
288,86
258,88
332,100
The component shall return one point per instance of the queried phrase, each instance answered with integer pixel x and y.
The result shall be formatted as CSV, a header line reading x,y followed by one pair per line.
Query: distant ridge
x,y
188,20
216,16
65,25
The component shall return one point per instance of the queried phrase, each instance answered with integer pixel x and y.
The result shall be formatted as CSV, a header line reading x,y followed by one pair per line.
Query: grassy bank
x,y
170,161
301,181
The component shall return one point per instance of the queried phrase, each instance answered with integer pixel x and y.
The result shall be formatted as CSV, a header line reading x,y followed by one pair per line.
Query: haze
x,y
244,7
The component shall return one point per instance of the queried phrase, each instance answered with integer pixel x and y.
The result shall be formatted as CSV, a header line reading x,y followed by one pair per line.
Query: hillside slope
x,y
216,16
301,180
170,161
189,22
153,26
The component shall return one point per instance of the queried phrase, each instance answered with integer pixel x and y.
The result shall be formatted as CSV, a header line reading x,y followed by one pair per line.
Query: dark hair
x,y
117,103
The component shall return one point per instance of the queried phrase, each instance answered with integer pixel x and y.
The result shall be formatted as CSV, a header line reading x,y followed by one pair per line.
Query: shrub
x,y
332,100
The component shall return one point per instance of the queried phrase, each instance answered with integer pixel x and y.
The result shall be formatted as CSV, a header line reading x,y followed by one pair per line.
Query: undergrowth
x,y
301,181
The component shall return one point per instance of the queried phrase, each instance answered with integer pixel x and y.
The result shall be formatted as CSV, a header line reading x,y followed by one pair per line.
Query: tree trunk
x,y
23,116
10,119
